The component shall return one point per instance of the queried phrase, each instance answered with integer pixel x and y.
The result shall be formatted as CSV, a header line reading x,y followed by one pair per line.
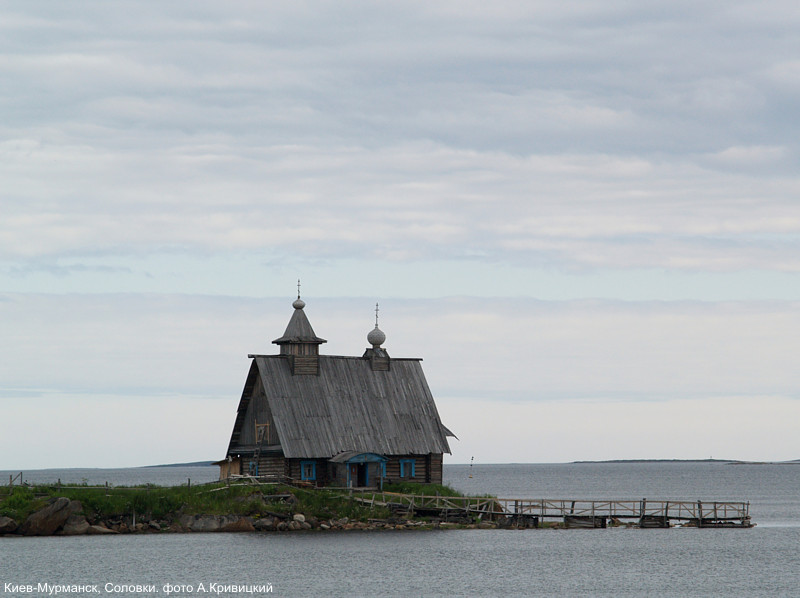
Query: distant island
x,y
665,461
729,461
192,464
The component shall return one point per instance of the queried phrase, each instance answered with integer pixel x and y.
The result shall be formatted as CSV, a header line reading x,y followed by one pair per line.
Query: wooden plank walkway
x,y
574,513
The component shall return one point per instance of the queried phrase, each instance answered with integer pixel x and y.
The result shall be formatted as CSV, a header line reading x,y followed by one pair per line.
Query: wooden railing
x,y
711,512
628,509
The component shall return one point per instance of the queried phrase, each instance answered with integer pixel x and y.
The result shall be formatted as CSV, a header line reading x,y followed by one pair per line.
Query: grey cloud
x,y
393,74
421,201
557,134
61,270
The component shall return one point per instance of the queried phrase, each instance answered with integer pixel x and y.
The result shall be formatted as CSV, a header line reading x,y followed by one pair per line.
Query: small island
x,y
245,506
250,505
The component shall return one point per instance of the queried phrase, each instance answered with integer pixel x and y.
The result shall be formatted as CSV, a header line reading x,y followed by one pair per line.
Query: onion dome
x,y
376,337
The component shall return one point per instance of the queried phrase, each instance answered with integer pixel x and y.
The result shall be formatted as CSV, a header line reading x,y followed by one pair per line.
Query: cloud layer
x,y
565,137
571,210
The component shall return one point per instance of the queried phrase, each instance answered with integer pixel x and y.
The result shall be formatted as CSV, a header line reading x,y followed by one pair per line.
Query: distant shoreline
x,y
665,461
728,461
192,464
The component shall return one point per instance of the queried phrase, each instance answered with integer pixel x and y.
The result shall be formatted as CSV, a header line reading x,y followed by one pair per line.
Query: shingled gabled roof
x,y
350,407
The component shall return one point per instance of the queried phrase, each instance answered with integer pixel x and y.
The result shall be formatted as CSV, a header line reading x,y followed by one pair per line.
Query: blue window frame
x,y
408,468
308,470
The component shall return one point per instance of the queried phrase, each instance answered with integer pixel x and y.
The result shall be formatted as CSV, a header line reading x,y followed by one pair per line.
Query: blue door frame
x,y
355,463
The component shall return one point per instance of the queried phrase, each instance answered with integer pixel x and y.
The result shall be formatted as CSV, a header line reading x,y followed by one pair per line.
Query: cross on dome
x,y
376,337
298,303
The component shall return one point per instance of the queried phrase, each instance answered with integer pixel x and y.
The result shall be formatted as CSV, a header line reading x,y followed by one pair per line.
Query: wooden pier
x,y
571,513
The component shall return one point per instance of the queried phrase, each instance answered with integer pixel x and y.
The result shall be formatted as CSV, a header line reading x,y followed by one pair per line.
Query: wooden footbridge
x,y
517,512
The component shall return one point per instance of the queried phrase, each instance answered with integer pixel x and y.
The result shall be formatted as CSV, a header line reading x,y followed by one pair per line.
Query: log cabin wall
x,y
337,474
322,473
435,468
422,469
271,465
293,469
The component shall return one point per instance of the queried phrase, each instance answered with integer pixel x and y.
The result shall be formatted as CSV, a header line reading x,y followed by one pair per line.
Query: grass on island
x,y
164,502
421,489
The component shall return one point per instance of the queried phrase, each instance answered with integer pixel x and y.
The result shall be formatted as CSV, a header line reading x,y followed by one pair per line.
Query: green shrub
x,y
335,504
421,489
19,503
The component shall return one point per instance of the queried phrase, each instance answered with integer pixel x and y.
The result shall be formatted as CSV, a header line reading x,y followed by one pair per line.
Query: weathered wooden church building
x,y
335,421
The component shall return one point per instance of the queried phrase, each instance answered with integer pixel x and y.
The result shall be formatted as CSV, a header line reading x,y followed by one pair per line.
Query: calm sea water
x,y
764,561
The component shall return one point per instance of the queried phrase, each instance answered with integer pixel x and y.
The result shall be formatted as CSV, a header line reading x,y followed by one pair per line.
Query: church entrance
x,y
360,469
359,474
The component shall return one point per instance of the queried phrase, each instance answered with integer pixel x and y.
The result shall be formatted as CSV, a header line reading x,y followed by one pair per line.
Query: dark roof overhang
x,y
356,457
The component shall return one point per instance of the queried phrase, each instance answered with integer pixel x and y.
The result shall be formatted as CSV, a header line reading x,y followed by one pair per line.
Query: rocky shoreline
x,y
65,517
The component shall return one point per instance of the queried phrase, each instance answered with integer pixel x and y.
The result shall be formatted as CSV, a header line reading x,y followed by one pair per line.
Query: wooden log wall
x,y
271,465
420,469
325,473
435,468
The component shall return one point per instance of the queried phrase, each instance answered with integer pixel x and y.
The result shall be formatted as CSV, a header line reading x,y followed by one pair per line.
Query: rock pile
x,y
62,516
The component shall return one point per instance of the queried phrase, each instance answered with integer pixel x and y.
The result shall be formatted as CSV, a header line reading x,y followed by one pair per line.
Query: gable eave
x,y
244,404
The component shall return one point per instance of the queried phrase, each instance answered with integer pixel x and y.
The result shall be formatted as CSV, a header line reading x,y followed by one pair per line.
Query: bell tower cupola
x,y
299,343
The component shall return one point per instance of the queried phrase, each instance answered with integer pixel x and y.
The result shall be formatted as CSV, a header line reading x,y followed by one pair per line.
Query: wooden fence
x,y
581,513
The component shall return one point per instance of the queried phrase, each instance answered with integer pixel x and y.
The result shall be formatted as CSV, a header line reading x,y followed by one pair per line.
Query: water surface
x,y
759,562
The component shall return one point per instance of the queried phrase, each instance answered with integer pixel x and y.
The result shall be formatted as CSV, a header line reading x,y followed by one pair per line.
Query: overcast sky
x,y
584,217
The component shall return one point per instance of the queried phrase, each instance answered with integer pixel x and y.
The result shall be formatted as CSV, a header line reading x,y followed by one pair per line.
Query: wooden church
x,y
332,420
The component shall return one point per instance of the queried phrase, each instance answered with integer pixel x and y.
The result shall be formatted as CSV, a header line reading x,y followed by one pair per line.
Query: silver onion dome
x,y
376,337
